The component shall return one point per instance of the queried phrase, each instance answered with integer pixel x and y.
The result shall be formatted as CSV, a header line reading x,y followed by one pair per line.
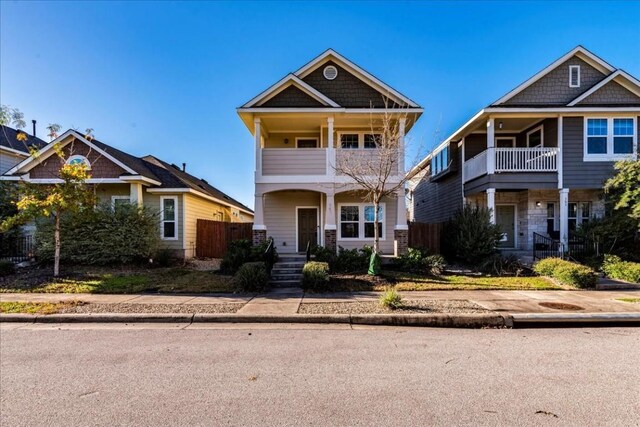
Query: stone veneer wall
x,y
532,218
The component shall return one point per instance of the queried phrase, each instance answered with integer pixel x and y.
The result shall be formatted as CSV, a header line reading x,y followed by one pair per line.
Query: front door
x,y
506,219
307,227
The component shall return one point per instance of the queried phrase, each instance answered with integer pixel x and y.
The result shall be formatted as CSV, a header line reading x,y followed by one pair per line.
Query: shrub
x,y
615,268
545,267
469,236
102,236
252,277
566,272
435,264
501,265
419,261
315,276
391,299
241,252
322,254
164,258
6,268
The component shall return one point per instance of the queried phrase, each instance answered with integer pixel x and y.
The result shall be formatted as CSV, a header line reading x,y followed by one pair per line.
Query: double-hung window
x,y
357,221
354,141
118,201
579,213
349,141
608,139
169,217
371,140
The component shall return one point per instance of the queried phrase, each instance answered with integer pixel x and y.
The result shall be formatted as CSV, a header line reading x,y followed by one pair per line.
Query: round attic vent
x,y
330,72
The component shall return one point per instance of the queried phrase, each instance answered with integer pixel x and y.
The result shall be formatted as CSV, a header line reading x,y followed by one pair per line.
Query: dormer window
x,y
574,76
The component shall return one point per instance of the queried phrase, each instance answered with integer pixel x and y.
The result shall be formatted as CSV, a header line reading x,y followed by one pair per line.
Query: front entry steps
x,y
287,272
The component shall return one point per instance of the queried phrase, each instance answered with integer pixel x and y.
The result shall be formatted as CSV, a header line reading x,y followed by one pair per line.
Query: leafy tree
x,y
624,188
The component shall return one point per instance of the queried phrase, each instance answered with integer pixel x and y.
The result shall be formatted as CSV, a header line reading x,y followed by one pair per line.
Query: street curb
x,y
425,320
557,320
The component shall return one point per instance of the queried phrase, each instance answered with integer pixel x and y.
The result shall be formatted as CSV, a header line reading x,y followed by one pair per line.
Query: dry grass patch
x,y
630,300
117,281
37,307
415,282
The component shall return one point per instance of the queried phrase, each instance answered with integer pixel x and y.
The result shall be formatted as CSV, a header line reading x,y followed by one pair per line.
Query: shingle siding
x,y
346,89
437,201
553,88
292,97
611,94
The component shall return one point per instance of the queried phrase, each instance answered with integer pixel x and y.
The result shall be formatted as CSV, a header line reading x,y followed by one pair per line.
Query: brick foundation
x,y
330,239
401,241
259,237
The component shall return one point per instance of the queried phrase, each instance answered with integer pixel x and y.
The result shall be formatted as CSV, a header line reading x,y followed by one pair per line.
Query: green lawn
x,y
105,281
631,300
415,282
34,307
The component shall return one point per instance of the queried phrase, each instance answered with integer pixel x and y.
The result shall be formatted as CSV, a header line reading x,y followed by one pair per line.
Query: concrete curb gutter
x,y
533,320
425,320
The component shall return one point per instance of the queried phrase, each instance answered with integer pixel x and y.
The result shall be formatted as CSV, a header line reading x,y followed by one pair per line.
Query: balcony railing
x,y
294,161
533,159
476,166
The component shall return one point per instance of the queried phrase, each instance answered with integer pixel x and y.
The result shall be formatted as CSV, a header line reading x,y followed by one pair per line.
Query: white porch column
x,y
330,230
401,128
331,150
257,134
559,155
258,213
491,142
401,214
135,193
564,218
491,204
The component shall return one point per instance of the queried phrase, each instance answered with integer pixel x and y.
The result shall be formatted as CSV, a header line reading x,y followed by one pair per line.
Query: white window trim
x,y
534,130
609,156
309,138
579,213
571,68
556,213
84,160
360,134
361,222
162,221
119,197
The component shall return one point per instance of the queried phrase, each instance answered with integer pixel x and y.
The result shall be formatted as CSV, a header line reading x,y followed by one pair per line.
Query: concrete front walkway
x,y
287,300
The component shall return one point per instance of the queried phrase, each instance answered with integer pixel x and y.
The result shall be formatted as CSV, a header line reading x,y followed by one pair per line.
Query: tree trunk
x,y
376,236
56,256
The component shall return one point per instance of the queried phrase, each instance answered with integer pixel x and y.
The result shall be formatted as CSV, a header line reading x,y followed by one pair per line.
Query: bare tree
x,y
378,172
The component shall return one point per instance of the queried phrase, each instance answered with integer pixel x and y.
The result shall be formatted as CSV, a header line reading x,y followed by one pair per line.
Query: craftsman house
x,y
538,156
303,126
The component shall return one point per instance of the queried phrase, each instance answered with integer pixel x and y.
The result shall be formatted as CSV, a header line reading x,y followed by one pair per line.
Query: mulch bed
x,y
154,308
410,306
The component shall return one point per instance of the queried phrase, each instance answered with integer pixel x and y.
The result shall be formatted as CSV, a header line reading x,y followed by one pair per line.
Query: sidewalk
x,y
287,301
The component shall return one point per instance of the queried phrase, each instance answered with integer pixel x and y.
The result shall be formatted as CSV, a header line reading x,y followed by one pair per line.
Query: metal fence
x,y
16,248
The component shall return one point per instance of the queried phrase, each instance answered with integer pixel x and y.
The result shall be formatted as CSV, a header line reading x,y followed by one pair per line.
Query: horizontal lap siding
x,y
362,161
8,160
309,161
576,172
198,208
280,216
152,202
437,201
387,245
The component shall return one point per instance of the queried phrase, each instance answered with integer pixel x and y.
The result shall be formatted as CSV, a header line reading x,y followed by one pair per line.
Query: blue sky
x,y
165,78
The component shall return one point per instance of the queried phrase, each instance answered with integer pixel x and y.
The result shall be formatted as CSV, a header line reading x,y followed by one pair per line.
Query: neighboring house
x,y
302,126
14,150
538,156
119,177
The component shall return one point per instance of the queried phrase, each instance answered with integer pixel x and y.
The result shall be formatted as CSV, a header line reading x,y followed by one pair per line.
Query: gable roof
x,y
579,51
284,83
9,140
625,79
297,79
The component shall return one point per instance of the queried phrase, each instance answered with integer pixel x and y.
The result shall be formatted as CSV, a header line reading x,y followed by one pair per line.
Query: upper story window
x,y
169,217
611,138
535,137
77,159
360,140
306,142
440,161
574,76
349,140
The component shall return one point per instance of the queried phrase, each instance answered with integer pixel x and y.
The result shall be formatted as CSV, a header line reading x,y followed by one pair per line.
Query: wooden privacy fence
x,y
213,237
425,235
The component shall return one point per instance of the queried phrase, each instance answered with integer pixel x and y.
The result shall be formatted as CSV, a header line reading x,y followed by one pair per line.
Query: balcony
x,y
294,161
535,159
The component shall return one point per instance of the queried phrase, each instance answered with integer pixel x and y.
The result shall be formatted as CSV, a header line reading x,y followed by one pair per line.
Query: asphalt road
x,y
109,376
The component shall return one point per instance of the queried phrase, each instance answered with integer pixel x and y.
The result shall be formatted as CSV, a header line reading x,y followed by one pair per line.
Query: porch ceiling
x,y
510,125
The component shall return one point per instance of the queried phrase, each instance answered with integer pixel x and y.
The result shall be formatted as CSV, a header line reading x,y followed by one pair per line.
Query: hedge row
x,y
566,272
615,268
